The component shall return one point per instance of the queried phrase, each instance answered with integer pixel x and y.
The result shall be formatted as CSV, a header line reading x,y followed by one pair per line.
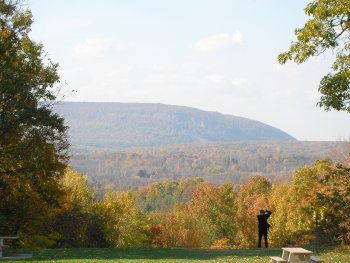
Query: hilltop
x,y
122,125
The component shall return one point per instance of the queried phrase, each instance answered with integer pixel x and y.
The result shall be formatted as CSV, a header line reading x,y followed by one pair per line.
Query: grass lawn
x,y
334,255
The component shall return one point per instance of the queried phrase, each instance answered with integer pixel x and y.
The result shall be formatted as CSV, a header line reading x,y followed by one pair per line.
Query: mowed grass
x,y
82,255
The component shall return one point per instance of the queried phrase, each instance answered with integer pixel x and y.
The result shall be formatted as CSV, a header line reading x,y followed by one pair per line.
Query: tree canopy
x,y
327,29
33,144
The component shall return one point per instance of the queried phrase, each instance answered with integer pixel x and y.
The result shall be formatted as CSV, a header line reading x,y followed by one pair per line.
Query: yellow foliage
x,y
221,244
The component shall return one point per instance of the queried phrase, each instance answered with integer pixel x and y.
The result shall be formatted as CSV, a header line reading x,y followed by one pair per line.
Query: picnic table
x,y
295,255
2,243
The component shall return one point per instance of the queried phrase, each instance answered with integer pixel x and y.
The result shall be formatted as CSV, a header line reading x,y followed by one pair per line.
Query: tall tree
x,y
81,223
333,201
295,214
33,144
327,29
124,224
252,197
215,209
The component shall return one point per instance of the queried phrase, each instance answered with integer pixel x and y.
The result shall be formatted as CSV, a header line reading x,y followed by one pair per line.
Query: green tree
x,y
333,201
327,29
124,224
33,144
295,215
81,223
279,233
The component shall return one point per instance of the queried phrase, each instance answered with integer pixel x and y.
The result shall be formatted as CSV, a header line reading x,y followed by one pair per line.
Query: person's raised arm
x,y
267,213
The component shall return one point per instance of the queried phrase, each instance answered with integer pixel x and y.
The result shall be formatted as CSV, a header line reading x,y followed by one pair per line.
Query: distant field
x,y
334,255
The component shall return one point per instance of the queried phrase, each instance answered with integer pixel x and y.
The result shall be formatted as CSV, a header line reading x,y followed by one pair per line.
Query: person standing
x,y
263,226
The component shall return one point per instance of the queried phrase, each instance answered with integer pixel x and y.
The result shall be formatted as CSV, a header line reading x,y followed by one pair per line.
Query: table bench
x,y
2,243
315,259
277,260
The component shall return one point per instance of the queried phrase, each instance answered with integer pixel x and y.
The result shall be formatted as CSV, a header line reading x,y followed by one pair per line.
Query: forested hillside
x,y
197,213
234,162
111,125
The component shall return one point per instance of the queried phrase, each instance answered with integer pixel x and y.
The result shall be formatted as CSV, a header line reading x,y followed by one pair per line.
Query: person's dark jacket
x,y
262,218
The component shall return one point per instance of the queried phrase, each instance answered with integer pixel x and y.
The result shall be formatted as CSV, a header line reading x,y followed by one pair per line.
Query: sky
x,y
214,55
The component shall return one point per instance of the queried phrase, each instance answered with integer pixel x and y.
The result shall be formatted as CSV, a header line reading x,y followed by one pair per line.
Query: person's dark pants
x,y
263,232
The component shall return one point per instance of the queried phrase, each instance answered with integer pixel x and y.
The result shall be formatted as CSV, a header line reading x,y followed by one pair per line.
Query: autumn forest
x,y
197,190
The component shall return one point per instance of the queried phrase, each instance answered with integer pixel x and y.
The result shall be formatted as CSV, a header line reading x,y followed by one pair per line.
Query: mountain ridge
x,y
116,124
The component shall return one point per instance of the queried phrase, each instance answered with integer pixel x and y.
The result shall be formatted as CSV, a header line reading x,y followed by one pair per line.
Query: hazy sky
x,y
215,55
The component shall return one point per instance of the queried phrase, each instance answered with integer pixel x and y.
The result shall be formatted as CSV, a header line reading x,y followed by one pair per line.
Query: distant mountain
x,y
111,125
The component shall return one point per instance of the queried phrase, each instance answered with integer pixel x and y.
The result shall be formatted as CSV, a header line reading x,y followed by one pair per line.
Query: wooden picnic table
x,y
296,254
2,245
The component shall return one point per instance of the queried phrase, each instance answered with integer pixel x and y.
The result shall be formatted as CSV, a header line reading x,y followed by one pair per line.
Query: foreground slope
x,y
110,125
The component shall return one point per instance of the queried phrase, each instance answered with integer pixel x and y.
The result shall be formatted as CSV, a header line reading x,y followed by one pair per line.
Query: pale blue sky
x,y
216,55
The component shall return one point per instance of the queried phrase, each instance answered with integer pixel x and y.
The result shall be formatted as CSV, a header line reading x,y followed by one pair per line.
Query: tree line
x,y
217,163
313,208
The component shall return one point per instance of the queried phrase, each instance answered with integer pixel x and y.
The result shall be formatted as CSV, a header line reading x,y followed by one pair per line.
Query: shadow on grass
x,y
147,253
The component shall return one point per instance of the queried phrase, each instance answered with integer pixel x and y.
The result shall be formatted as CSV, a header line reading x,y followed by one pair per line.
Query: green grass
x,y
138,255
